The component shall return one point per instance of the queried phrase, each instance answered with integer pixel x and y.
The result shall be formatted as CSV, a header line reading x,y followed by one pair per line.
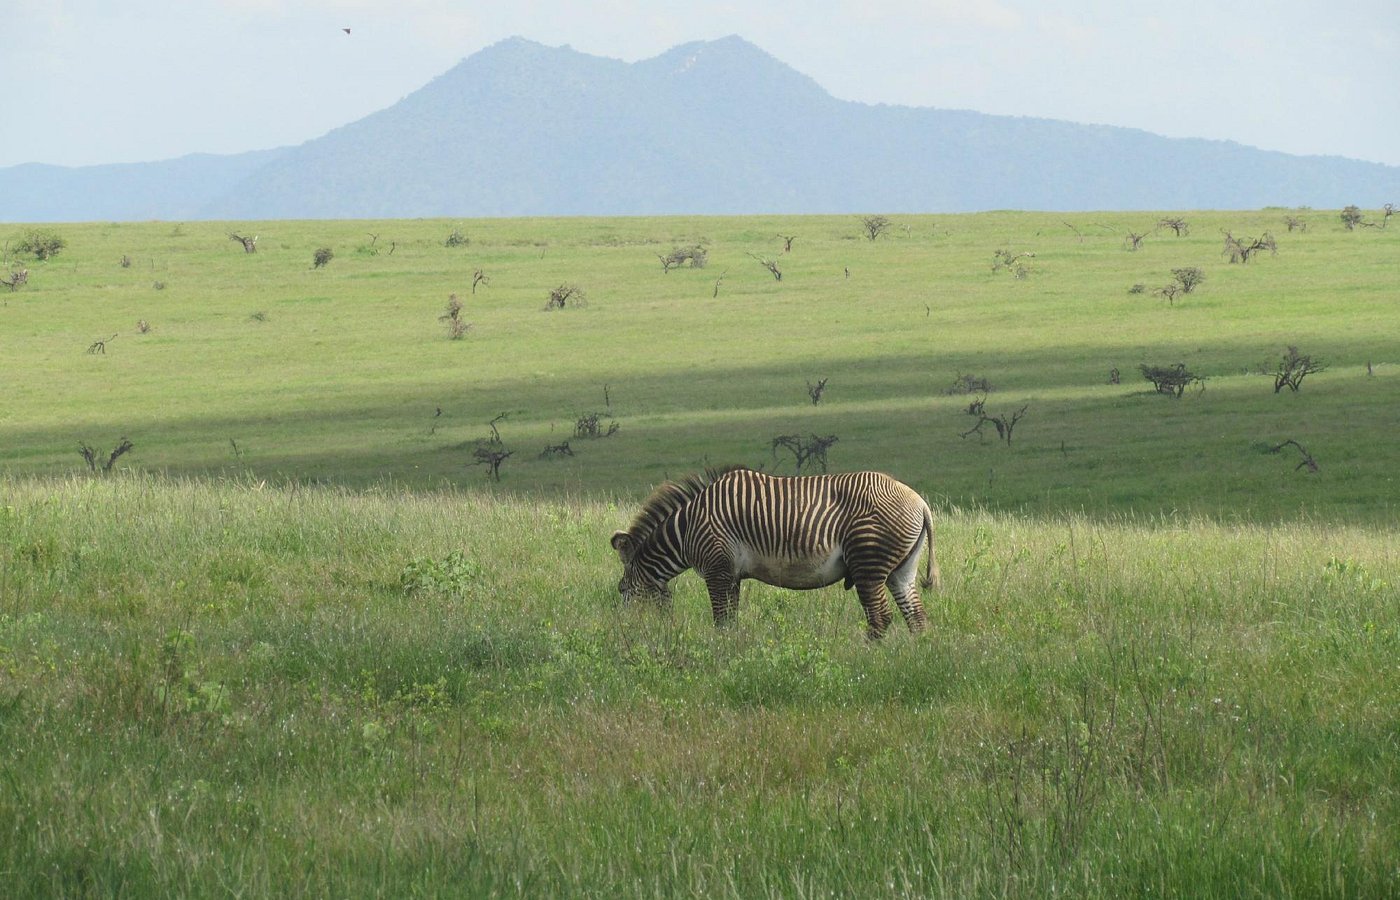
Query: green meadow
x,y
298,643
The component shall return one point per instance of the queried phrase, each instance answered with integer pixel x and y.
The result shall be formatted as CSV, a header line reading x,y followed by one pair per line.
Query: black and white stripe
x,y
863,528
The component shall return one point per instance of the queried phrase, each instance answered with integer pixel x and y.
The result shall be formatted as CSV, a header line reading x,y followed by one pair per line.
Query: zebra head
x,y
637,583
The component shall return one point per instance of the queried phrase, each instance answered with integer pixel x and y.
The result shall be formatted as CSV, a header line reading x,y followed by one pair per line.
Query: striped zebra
x,y
805,532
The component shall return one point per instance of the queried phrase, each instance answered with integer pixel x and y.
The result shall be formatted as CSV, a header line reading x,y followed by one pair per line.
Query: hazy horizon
x,y
144,82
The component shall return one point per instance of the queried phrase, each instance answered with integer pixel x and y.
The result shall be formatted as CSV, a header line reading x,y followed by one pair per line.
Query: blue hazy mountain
x,y
713,127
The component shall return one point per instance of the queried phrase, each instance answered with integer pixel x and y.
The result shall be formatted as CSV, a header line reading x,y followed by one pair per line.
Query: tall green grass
x,y
229,686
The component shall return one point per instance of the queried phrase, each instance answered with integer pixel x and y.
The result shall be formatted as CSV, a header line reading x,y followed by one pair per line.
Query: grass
x,y
225,686
338,374
296,644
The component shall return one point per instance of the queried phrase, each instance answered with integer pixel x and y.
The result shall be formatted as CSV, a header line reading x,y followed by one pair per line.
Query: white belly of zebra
x,y
802,572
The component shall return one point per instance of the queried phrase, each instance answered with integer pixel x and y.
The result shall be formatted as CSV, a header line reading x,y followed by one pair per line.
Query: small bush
x,y
42,243
322,256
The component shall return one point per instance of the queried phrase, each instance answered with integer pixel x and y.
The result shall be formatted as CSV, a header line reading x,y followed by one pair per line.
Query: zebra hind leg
x,y
903,584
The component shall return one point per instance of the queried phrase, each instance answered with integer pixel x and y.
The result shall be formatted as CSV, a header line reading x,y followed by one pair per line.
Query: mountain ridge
x,y
707,127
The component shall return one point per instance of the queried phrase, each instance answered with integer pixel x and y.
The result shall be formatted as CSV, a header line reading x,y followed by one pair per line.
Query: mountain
x,y
716,127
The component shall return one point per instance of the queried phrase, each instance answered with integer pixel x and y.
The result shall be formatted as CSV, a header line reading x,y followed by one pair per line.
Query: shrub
x,y
42,243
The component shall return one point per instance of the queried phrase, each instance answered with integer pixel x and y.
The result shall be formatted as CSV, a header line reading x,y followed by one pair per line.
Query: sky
x,y
96,81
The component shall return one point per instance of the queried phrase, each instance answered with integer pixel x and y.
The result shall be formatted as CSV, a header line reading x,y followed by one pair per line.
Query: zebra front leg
x,y
724,597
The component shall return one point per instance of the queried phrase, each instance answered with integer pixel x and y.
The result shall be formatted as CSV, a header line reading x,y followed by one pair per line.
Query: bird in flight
x,y
346,30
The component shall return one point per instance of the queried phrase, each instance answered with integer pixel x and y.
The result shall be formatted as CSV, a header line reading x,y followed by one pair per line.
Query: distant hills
x,y
715,127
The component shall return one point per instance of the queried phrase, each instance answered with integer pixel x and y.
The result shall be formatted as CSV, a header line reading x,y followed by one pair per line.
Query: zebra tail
x,y
932,578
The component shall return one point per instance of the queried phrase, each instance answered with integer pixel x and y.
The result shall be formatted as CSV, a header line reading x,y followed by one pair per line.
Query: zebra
x,y
800,532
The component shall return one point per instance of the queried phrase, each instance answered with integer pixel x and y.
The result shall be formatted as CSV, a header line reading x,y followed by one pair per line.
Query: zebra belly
x,y
799,573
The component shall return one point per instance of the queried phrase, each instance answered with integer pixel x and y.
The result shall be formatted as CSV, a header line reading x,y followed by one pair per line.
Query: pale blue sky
x,y
92,81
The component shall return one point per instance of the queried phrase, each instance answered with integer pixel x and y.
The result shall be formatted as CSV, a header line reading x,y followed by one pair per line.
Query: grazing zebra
x,y
804,532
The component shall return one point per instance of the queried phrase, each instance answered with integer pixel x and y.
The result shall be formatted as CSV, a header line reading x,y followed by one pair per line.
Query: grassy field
x,y
297,644
261,363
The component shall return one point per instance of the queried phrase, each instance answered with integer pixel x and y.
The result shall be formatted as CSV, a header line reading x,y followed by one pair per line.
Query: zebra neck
x,y
663,554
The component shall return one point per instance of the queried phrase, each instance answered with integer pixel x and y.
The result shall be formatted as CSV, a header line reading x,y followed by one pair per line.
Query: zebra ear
x,y
622,543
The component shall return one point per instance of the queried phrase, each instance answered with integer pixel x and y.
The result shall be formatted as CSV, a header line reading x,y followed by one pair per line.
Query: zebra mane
x,y
671,496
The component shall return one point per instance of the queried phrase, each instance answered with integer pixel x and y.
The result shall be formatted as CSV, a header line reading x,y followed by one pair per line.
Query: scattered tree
x,y
695,256
1171,380
1133,240
554,451
322,256
1241,249
250,244
1005,259
1169,292
456,239
1294,223
479,278
787,240
770,265
495,438
1351,217
1114,376
1386,212
18,278
1004,423
1307,463
1189,277
804,450
125,261
717,283
590,425
91,456
99,346
969,384
566,295
142,326
491,456
875,226
457,327
1137,288
44,244
1176,224
1290,371
815,391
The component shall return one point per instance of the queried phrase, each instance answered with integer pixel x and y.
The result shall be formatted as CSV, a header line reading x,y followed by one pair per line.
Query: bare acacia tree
x,y
1005,259
457,327
491,456
92,456
695,255
1170,292
875,226
1176,224
566,295
770,265
969,384
1171,380
1307,463
787,240
1004,423
590,425
804,450
1295,223
1241,249
1133,241
100,346
479,278
815,391
717,283
1290,371
18,278
250,244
